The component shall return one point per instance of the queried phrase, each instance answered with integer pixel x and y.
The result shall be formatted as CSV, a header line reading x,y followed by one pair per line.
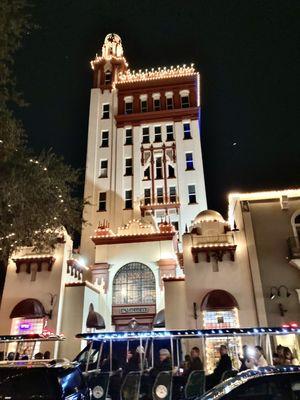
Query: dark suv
x,y
42,381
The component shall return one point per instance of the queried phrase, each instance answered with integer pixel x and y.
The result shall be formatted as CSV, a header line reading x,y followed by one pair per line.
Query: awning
x,y
159,320
218,300
94,320
28,308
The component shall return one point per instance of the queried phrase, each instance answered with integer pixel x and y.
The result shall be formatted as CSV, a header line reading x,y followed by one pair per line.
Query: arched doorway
x,y
220,311
134,296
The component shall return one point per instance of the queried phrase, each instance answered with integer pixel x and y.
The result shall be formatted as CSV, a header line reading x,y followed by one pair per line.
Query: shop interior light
x,y
274,292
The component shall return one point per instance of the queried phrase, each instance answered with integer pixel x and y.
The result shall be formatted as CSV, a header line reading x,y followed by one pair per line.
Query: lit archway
x,y
134,283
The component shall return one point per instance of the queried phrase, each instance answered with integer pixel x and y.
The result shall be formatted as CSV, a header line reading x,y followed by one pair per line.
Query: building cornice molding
x,y
176,115
121,239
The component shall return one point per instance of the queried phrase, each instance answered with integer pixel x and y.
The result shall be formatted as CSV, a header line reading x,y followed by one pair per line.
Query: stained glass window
x,y
134,283
221,319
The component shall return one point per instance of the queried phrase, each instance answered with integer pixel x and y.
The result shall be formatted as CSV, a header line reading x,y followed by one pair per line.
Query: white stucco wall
x,y
19,286
148,253
75,312
232,276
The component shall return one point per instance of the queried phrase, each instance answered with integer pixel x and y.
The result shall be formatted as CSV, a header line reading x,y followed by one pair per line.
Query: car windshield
x,y
27,383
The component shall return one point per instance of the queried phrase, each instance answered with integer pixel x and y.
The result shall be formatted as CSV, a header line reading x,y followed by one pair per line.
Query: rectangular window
x,y
103,168
128,166
128,199
144,106
156,104
175,224
146,135
189,161
105,111
192,194
157,134
147,196
107,78
159,195
128,107
172,194
170,103
171,171
187,131
158,165
170,133
147,173
128,136
104,139
185,101
102,201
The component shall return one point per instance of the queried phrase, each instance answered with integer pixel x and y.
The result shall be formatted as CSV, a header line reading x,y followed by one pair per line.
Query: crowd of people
x,y
284,356
15,356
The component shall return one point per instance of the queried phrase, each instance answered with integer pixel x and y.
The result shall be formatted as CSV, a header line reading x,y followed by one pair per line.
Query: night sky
x,y
248,55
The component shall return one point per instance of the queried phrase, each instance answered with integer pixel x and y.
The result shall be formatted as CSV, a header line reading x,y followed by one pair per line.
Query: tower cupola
x,y
110,64
112,46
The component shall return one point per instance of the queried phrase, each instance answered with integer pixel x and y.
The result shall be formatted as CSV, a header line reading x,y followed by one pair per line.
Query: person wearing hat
x,y
164,364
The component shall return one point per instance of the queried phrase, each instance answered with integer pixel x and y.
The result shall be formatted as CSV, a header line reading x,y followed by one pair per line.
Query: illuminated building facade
x,y
144,180
241,272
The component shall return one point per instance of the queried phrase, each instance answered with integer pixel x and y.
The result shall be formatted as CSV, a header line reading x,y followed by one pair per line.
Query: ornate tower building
x,y
144,166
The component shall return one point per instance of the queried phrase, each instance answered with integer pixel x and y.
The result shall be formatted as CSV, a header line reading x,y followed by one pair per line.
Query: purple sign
x,y
24,326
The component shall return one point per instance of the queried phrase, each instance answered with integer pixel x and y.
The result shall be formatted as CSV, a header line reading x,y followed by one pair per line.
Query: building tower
x,y
144,162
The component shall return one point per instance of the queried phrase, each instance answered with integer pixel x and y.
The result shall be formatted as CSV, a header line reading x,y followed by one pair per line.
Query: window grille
x,y
134,283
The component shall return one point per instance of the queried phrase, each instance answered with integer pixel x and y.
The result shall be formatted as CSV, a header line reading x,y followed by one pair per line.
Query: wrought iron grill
x,y
134,283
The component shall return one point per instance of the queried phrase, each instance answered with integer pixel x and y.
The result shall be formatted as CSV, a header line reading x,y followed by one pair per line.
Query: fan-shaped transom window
x,y
134,283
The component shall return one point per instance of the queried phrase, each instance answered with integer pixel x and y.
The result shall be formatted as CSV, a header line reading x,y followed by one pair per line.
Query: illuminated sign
x,y
134,310
24,326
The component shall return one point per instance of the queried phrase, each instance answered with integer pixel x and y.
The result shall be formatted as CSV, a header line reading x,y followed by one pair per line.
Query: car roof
x,y
227,386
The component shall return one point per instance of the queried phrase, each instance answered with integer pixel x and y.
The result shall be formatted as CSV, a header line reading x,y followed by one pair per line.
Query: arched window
x,y
134,283
296,224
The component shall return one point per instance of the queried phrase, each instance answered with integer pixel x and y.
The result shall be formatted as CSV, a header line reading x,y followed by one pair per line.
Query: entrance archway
x,y
220,311
134,296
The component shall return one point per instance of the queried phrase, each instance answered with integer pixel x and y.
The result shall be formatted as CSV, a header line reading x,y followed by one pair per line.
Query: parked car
x,y
266,383
32,380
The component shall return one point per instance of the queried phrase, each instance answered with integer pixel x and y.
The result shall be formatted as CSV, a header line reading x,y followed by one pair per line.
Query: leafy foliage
x,y
36,192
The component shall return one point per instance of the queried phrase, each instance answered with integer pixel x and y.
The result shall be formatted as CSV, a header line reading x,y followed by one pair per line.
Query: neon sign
x,y
24,326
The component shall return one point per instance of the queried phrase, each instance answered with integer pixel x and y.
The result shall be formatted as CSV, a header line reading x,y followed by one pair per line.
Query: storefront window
x,y
134,284
221,320
22,326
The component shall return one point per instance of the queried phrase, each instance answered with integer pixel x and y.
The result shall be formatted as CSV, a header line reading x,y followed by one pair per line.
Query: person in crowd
x,y
164,364
279,351
288,358
256,359
186,363
133,362
25,357
39,356
47,355
244,359
195,363
223,365
11,356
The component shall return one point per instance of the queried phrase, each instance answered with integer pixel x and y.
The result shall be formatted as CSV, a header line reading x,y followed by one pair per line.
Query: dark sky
x,y
248,55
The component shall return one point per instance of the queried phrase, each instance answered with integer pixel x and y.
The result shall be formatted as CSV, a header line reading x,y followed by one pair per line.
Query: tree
x,y
36,192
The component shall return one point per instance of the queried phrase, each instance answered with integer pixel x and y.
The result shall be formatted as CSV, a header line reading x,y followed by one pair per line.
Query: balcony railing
x,y
223,238
162,202
294,247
